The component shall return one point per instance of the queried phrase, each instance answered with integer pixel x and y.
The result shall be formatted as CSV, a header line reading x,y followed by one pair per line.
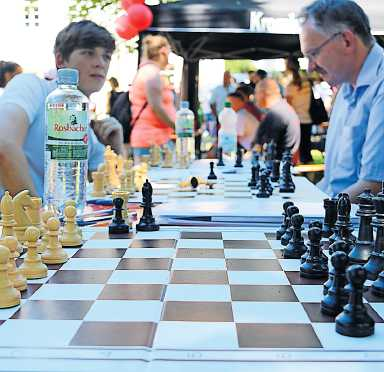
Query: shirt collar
x,y
368,71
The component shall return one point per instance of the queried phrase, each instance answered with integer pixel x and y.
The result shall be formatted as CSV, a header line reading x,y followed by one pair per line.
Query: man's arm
x,y
14,169
372,160
154,97
361,185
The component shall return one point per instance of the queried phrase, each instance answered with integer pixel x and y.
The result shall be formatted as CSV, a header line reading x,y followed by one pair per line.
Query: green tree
x,y
83,9
239,65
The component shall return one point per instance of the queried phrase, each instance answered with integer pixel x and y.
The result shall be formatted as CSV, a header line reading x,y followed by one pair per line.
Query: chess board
x,y
220,293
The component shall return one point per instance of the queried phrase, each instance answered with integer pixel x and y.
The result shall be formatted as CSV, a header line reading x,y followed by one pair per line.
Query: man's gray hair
x,y
332,16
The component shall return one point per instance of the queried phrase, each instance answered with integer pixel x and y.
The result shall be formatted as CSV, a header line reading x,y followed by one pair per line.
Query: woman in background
x,y
298,94
153,110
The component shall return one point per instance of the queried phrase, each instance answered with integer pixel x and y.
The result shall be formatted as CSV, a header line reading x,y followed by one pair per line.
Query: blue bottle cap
x,y
184,105
68,76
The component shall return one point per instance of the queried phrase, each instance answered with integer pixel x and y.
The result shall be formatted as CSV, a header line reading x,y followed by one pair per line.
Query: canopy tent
x,y
235,29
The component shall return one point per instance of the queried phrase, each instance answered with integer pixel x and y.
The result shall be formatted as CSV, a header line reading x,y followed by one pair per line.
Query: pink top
x,y
149,129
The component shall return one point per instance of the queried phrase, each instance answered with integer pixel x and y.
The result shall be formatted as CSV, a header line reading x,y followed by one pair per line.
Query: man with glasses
x,y
336,38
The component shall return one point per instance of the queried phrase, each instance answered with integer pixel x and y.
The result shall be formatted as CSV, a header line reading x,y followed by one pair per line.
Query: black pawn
x,y
288,233
286,184
118,225
253,182
364,244
330,207
212,175
255,159
194,183
220,162
318,224
296,246
378,285
263,187
375,263
239,158
354,321
336,296
314,266
275,176
147,221
285,222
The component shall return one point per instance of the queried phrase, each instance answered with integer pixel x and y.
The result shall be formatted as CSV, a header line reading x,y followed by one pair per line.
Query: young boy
x,y
84,46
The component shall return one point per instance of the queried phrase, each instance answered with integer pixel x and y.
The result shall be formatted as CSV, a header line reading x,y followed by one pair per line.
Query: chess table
x,y
178,299
207,297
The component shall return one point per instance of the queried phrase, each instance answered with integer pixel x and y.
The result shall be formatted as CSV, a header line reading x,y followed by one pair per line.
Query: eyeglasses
x,y
313,53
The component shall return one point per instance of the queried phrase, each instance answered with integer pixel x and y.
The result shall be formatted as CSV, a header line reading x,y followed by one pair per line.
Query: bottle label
x,y
184,127
67,134
227,142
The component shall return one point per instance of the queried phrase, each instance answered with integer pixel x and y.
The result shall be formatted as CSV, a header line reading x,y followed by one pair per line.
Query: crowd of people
x,y
335,38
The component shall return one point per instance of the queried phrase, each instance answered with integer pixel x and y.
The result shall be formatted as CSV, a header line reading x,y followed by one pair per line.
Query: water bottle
x,y
66,143
227,136
185,140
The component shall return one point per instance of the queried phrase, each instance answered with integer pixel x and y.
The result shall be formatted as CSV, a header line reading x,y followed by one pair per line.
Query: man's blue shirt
x,y
355,140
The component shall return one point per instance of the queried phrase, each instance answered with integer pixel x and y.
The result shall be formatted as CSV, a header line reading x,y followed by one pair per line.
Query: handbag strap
x,y
133,122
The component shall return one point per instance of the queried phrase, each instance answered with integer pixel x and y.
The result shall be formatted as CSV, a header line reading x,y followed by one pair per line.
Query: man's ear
x,y
59,60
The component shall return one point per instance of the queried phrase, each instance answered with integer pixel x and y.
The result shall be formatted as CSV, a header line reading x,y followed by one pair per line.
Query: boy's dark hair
x,y
236,95
262,74
7,67
83,34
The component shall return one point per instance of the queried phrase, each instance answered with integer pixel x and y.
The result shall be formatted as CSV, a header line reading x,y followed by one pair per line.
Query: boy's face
x,y
92,64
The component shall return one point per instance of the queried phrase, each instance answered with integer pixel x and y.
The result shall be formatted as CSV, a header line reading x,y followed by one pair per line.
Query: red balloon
x,y
140,16
124,28
125,4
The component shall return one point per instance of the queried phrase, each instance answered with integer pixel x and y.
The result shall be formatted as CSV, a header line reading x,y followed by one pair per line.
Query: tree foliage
x,y
239,65
82,9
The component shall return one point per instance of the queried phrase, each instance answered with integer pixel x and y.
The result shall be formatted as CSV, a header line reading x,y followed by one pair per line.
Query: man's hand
x,y
109,132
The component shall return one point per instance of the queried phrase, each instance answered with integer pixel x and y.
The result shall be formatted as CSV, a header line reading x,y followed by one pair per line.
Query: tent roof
x,y
222,28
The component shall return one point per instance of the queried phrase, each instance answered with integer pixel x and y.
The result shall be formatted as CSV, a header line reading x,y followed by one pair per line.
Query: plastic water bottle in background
x,y
185,140
227,133
66,143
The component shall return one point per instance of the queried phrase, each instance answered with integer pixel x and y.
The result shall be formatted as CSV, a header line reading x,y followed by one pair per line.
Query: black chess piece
x,y
344,227
285,222
147,221
239,158
354,321
296,247
364,244
263,187
337,295
286,184
118,225
220,162
255,175
378,286
275,176
375,263
212,175
270,154
314,266
288,233
194,183
330,207
269,186
255,159
318,224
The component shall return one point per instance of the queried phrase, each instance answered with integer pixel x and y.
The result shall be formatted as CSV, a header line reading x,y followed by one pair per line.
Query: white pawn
x,y
9,296
73,204
54,254
33,267
15,276
45,216
70,237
